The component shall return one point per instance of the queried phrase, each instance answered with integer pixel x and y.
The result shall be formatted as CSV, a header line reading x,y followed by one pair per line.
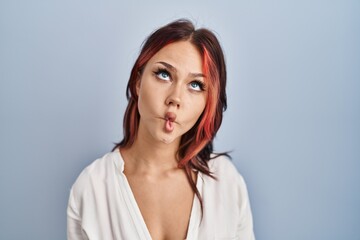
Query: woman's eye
x,y
197,86
163,75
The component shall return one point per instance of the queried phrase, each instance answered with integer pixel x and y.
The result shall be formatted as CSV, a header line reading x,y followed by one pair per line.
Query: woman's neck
x,y
153,157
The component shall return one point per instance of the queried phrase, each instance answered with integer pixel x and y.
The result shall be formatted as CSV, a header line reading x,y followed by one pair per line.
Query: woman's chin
x,y
167,140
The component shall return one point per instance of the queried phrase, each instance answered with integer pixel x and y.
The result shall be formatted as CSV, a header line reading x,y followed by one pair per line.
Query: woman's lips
x,y
170,118
169,126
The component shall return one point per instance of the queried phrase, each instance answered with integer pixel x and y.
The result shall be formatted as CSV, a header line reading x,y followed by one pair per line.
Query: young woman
x,y
163,181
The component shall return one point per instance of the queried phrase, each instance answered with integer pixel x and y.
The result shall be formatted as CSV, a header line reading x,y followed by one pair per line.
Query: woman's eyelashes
x,y
197,85
163,74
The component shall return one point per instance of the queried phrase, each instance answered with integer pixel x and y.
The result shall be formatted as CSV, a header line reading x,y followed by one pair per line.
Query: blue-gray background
x,y
292,122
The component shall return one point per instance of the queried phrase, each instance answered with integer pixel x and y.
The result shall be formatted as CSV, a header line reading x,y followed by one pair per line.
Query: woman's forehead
x,y
182,55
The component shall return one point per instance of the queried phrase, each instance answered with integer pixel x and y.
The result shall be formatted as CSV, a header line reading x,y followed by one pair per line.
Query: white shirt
x,y
102,206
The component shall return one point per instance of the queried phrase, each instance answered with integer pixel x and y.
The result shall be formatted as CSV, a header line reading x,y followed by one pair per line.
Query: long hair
x,y
196,145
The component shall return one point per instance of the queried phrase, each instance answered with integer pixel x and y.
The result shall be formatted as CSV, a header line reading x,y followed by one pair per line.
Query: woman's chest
x,y
165,206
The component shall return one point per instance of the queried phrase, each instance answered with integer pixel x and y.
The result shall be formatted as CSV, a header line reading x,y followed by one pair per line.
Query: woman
x,y
163,181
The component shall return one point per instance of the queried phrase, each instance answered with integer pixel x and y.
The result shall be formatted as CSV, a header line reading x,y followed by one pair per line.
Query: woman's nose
x,y
174,98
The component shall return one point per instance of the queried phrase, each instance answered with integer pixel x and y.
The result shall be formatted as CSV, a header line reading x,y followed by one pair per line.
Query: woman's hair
x,y
196,145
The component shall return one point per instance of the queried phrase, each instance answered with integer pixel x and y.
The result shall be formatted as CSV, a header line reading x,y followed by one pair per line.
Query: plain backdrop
x,y
292,123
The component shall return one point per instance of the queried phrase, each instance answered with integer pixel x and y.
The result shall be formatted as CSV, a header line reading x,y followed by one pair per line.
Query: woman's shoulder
x,y
91,187
225,170
219,164
95,172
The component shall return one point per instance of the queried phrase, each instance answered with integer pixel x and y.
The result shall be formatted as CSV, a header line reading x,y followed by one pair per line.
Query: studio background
x,y
292,123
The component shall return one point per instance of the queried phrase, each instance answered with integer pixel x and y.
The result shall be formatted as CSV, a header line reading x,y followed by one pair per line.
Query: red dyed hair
x,y
196,145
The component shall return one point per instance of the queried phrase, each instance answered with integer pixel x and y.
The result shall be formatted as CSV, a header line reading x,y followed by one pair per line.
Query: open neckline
x,y
134,208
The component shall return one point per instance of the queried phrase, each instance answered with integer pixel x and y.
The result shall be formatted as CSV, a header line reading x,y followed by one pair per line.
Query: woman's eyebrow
x,y
196,75
173,69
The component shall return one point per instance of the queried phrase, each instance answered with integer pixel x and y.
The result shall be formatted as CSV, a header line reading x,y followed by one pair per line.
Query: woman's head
x,y
197,141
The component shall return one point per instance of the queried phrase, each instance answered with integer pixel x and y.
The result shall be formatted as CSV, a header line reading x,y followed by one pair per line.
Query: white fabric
x,y
102,206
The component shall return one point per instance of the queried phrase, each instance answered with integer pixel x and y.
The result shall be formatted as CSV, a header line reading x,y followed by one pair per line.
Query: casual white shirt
x,y
102,206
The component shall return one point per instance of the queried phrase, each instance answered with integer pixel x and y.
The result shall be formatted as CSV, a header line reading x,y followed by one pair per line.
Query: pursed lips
x,y
165,119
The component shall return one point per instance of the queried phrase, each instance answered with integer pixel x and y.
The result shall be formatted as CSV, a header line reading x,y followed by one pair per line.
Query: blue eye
x,y
197,86
163,74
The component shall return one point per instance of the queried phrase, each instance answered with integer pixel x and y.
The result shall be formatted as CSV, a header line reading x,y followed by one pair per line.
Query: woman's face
x,y
172,92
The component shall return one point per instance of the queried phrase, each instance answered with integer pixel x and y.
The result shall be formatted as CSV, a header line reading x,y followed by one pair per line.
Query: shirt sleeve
x,y
74,229
245,224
